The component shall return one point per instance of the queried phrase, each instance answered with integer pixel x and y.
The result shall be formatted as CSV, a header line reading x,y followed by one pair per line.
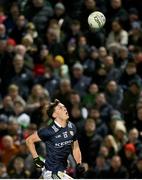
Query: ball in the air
x,y
96,20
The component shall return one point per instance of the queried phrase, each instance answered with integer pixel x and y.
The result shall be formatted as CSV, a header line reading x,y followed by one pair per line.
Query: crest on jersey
x,y
71,133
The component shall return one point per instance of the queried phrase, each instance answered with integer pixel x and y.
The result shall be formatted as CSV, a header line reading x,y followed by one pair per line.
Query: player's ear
x,y
54,114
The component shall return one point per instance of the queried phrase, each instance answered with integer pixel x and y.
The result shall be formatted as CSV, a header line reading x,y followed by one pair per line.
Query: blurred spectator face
x,y
131,69
13,128
65,86
77,72
18,63
14,10
59,10
74,98
7,102
133,135
7,142
20,49
18,108
109,62
2,30
109,141
38,3
93,89
90,126
101,99
139,114
94,54
128,154
134,89
82,53
37,90
19,164
94,113
27,40
75,27
119,134
139,165
116,162
102,52
82,41
116,27
112,86
21,21
100,162
123,53
90,4
116,4
75,112
104,151
51,35
13,91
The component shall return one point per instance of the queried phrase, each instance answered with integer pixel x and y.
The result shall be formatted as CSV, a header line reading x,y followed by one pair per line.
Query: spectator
x,y
101,127
90,98
114,94
37,92
18,169
39,12
111,145
117,170
3,171
13,92
79,81
21,118
137,169
9,149
117,37
19,30
116,10
92,141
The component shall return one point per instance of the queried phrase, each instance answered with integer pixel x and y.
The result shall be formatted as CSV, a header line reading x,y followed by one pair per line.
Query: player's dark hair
x,y
51,108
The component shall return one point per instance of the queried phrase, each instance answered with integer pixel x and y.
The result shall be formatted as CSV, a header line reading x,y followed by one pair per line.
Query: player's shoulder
x,y
53,127
71,125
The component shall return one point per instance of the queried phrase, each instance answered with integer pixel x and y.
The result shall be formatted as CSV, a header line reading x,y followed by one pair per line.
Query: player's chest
x,y
63,138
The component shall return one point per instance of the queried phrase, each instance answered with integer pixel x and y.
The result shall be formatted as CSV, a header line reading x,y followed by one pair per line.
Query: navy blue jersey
x,y
58,145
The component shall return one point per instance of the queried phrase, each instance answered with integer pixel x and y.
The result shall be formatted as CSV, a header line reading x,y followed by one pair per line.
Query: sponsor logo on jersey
x,y
61,144
71,133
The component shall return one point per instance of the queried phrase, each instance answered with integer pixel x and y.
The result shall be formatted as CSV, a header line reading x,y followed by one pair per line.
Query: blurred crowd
x,y
47,51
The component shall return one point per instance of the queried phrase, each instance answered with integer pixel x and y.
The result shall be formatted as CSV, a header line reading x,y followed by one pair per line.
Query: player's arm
x,y
30,141
77,156
76,152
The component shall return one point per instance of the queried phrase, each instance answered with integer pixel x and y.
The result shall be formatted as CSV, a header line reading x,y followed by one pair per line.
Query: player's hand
x,y
80,168
38,163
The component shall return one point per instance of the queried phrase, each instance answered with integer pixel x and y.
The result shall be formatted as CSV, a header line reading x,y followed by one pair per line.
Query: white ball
x,y
96,20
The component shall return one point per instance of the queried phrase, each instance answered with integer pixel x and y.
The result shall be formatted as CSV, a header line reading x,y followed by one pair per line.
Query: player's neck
x,y
61,122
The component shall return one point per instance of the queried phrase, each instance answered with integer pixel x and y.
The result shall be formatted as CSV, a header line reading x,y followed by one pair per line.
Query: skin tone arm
x,y
30,143
76,152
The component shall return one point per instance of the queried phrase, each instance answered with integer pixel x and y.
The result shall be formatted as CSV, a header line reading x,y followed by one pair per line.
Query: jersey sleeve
x,y
44,134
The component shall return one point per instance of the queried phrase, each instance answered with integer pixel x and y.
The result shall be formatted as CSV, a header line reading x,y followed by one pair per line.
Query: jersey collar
x,y
57,124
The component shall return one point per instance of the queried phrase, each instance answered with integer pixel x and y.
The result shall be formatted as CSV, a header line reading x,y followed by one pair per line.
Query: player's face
x,y
61,111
